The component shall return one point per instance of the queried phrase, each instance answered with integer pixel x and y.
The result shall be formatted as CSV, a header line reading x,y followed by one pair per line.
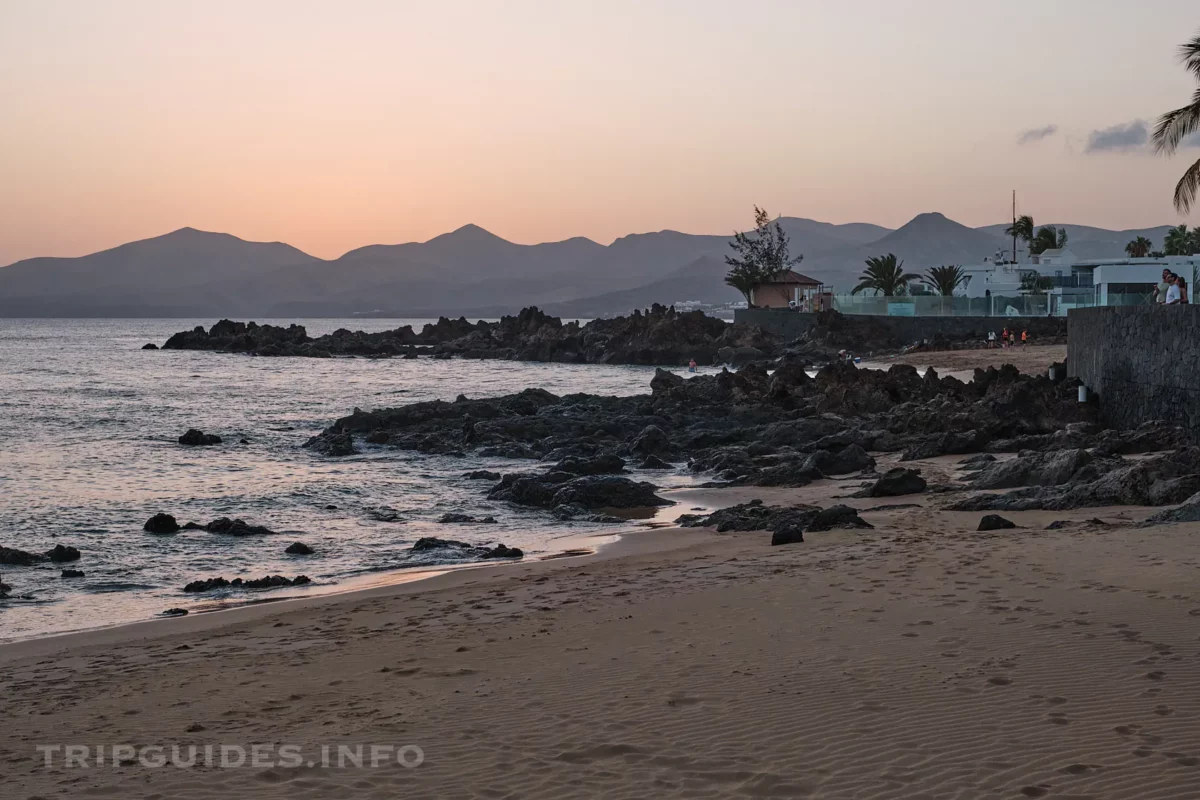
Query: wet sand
x,y
920,659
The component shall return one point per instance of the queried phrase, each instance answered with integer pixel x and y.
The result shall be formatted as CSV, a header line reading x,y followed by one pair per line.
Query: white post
x,y
1083,394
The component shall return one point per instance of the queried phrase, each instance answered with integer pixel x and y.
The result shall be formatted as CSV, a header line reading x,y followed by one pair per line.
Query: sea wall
x,y
1140,361
792,324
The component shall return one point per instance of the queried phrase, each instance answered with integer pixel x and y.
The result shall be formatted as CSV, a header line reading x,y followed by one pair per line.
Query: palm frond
x,y
1174,126
1187,188
1189,54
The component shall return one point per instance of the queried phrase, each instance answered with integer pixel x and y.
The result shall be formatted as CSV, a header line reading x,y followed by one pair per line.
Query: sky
x,y
333,125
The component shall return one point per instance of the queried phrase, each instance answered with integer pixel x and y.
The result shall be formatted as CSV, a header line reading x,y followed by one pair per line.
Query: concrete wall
x,y
791,325
1140,360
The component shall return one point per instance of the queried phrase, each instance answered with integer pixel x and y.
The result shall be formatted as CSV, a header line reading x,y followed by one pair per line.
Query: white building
x,y
1115,281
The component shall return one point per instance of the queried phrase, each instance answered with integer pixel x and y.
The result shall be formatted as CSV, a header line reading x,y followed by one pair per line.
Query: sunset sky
x,y
337,124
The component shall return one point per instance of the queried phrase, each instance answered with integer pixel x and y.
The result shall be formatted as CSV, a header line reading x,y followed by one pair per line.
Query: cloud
x,y
1191,141
1129,136
1037,134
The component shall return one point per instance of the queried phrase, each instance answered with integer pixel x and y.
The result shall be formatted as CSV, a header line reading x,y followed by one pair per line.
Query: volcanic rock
x,y
197,438
161,523
995,522
298,549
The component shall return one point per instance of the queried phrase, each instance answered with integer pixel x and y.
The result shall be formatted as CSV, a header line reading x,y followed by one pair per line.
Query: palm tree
x,y
1139,247
944,280
885,276
1048,238
1174,126
1021,229
1179,241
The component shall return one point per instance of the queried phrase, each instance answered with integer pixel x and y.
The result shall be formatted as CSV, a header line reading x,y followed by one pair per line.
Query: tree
x,y
885,276
1175,126
1036,283
944,280
1021,229
1048,238
1179,241
762,256
1139,247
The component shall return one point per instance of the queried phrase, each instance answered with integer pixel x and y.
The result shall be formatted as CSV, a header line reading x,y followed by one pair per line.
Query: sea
x,y
89,423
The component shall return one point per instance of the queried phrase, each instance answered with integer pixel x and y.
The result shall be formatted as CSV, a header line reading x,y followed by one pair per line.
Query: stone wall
x,y
793,324
1140,361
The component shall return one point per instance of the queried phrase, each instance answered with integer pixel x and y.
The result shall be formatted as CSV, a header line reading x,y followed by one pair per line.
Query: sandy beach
x,y
920,659
1033,359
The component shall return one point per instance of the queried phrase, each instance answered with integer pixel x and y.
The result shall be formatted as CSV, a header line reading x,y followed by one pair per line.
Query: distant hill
x,y
471,271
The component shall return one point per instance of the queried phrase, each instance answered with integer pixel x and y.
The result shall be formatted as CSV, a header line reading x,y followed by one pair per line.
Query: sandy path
x,y
918,660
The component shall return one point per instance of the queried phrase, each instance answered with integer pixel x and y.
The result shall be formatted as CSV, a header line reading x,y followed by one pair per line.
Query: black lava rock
x,y
995,522
161,523
298,549
72,573
60,554
196,438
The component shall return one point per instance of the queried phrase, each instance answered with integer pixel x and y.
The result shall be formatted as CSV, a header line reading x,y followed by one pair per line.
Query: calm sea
x,y
88,451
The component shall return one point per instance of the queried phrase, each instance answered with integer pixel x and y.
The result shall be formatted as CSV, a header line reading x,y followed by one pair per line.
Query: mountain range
x,y
192,273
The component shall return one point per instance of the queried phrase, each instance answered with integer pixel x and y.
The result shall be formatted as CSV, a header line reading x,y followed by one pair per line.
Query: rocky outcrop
x,y
786,523
332,443
590,492
268,582
298,549
161,523
482,475
61,554
894,483
1155,481
995,522
72,573
465,519
236,527
197,438
1050,468
660,335
10,556
465,550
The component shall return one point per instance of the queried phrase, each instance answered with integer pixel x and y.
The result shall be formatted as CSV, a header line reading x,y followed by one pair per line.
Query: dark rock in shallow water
x,y
60,554
995,522
196,438
268,582
161,523
174,612
654,462
577,513
455,517
72,573
19,558
429,543
604,491
895,482
332,443
235,527
298,549
482,475
150,346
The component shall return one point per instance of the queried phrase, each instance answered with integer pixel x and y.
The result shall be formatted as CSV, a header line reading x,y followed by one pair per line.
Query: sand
x,y
1033,359
917,660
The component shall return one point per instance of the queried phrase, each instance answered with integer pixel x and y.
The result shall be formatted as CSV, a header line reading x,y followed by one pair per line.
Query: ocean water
x,y
88,451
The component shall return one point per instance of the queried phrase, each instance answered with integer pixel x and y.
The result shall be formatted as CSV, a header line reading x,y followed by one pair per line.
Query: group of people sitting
x,y
1008,338
1173,290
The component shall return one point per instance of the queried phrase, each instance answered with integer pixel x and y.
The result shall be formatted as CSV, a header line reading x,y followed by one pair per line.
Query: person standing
x,y
1173,296
1024,339
1183,290
1160,290
991,339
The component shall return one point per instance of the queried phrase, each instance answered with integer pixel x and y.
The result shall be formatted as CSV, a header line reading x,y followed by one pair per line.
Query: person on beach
x,y
1183,290
1004,339
1173,296
1160,291
1024,339
692,365
991,340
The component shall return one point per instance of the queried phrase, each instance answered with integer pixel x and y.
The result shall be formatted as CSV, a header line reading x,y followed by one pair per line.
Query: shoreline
x,y
917,658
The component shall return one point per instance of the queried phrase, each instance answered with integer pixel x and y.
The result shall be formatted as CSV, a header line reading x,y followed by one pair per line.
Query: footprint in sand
x,y
1035,791
999,680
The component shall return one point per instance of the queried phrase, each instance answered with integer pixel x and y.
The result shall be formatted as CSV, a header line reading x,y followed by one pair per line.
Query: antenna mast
x,y
1014,226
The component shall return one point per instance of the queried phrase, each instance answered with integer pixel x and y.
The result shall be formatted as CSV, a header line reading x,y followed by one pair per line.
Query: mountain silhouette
x,y
192,273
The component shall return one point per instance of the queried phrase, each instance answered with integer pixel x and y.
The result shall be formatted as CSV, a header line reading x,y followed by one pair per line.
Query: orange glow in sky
x,y
334,125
